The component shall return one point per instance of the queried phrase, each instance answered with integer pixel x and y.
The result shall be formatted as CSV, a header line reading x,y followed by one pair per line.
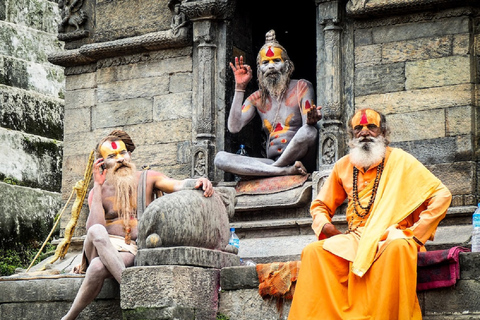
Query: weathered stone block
x,y
163,287
368,55
31,160
234,278
120,113
459,121
417,49
181,82
440,72
416,100
172,106
81,81
37,14
434,151
149,69
187,256
459,177
161,155
51,298
43,78
26,214
31,112
410,31
154,133
80,98
137,18
247,304
380,79
27,43
411,126
77,120
131,89
461,44
464,296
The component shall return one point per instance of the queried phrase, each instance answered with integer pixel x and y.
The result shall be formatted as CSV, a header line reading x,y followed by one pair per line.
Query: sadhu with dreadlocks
x,y
117,199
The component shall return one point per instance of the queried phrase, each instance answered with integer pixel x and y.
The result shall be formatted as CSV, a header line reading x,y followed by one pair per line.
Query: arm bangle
x,y
420,243
239,90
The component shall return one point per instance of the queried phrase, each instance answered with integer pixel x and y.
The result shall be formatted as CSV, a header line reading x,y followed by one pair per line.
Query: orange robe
x,y
370,273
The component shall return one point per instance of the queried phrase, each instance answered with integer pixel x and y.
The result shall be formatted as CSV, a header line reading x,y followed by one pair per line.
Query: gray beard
x,y
275,85
125,183
365,154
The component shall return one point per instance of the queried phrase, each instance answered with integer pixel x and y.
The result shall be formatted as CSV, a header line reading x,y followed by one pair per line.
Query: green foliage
x,y
222,317
10,180
22,257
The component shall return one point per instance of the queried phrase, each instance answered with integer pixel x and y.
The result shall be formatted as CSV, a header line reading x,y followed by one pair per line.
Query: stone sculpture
x,y
187,218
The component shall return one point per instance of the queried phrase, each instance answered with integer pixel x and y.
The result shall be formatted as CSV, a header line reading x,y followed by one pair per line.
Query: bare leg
x,y
104,260
302,141
249,166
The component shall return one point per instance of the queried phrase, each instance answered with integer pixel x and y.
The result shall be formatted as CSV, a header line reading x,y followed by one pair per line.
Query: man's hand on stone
x,y
314,115
206,186
243,73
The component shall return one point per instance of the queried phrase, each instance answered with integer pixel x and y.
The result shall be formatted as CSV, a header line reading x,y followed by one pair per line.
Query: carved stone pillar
x,y
208,88
330,79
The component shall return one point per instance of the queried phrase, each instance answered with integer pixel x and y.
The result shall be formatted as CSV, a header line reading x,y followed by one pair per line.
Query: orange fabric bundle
x,y
277,279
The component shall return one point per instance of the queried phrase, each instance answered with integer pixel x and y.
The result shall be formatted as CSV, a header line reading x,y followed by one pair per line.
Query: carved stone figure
x,y
178,20
72,14
187,218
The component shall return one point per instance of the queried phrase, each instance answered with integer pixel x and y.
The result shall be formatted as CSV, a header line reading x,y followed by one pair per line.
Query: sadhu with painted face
x,y
119,195
286,109
394,206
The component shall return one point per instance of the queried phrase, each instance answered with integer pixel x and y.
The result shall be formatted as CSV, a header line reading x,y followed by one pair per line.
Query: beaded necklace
x,y
356,201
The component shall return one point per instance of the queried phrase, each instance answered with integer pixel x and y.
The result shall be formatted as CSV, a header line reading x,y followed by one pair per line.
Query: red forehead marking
x,y
114,145
278,127
364,119
270,52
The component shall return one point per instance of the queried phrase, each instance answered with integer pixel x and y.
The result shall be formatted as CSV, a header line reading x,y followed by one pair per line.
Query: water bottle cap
x,y
232,229
242,146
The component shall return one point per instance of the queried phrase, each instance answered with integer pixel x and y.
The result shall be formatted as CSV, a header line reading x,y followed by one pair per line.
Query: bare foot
x,y
299,168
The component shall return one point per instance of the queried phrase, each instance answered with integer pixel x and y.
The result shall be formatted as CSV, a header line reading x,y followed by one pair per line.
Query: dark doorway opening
x,y
295,29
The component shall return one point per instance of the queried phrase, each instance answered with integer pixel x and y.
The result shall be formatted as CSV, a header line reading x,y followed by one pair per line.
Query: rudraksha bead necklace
x,y
356,202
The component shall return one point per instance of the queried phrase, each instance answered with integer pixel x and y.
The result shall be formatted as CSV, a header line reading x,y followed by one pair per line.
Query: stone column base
x,y
169,292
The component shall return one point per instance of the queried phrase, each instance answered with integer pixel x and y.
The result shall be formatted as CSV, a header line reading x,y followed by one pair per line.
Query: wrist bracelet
x,y
420,243
239,90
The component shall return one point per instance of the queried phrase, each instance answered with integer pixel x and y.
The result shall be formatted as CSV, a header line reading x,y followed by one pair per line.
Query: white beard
x,y
364,154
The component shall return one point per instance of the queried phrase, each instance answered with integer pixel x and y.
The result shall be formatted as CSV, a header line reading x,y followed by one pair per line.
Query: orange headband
x,y
366,117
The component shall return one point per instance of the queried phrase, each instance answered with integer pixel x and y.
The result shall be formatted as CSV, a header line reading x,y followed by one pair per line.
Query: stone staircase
x,y
266,235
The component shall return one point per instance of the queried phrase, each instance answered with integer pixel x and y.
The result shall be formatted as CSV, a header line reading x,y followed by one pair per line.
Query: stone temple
x,y
75,70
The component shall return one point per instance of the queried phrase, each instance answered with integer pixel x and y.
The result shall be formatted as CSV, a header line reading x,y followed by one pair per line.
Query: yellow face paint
x,y
271,53
365,117
111,149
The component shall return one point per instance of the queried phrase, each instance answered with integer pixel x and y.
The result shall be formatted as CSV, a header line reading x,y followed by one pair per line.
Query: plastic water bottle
x,y
476,230
242,151
234,241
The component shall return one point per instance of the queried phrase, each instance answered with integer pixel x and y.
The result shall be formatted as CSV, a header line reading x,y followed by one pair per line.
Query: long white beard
x,y
365,152
125,184
275,85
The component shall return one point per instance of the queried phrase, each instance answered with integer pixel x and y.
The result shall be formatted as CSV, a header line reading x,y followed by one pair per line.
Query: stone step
x,y
240,288
266,241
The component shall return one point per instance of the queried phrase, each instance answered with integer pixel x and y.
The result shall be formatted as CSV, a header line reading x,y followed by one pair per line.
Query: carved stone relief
x,y
73,17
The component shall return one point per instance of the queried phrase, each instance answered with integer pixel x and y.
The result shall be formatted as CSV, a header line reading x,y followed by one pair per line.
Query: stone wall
x,y
31,120
420,70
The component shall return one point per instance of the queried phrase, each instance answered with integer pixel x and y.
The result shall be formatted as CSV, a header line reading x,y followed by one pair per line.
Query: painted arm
x,y
169,185
311,114
95,202
240,113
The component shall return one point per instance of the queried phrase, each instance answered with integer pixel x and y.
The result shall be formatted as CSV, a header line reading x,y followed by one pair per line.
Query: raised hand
x,y
99,174
243,73
314,115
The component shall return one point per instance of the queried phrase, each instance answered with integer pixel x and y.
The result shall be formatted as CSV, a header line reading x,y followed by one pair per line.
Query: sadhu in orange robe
x,y
370,273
